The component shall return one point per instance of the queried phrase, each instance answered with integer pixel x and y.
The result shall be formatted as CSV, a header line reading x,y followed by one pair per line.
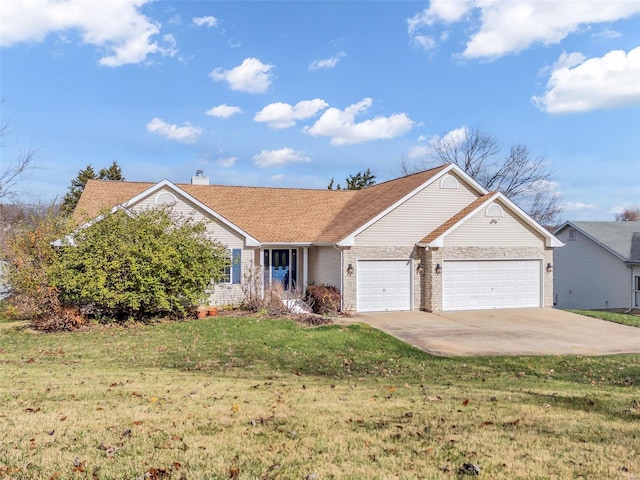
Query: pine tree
x,y
70,200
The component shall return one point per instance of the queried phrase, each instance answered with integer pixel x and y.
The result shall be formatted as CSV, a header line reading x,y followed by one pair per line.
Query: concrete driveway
x,y
533,331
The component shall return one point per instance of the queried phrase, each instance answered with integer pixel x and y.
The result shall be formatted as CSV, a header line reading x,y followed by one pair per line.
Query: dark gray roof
x,y
622,238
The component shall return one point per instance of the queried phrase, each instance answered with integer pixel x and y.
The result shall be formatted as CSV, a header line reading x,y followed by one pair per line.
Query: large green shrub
x,y
136,265
29,256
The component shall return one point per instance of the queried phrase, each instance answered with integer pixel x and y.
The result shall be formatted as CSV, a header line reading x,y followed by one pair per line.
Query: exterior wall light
x,y
420,268
438,269
350,269
549,268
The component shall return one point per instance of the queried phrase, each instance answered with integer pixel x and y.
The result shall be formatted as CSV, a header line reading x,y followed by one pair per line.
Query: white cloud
x,y
205,21
279,158
327,62
447,11
578,207
185,134
502,27
419,151
278,177
223,111
579,85
424,41
226,161
341,126
119,28
452,137
282,115
251,76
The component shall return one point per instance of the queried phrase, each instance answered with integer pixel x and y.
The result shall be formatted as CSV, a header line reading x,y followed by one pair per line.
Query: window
x,y
449,182
165,198
572,234
232,272
494,210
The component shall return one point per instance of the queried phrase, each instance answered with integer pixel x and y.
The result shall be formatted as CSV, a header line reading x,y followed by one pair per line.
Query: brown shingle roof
x,y
273,214
457,217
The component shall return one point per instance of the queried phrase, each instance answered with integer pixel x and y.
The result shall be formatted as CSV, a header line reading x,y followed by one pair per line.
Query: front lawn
x,y
623,318
251,398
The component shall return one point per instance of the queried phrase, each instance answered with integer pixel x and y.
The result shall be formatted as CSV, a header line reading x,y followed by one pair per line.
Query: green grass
x,y
254,398
622,318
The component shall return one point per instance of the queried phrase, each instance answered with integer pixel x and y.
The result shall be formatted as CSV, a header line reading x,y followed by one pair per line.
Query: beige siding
x,y
586,276
324,266
478,231
215,229
221,294
417,217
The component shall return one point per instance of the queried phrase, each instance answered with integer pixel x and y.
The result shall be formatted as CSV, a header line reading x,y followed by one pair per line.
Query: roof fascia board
x,y
71,241
249,240
549,239
286,244
349,241
439,241
593,239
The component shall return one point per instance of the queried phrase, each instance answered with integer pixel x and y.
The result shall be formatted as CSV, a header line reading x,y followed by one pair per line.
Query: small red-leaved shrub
x,y
323,299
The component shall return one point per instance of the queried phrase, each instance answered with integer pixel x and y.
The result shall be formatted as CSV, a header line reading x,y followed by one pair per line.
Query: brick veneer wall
x,y
353,254
433,283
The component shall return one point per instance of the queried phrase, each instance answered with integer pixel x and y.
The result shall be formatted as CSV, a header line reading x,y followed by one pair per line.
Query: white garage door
x,y
384,285
478,285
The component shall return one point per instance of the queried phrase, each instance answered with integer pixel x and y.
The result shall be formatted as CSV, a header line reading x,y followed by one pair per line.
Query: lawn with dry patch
x,y
244,398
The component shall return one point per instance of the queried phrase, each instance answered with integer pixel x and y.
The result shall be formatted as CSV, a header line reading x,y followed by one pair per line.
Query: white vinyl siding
x,y
507,231
587,276
384,285
324,266
491,284
411,221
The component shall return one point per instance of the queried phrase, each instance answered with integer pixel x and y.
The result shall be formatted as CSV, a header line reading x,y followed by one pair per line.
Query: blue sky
x,y
292,94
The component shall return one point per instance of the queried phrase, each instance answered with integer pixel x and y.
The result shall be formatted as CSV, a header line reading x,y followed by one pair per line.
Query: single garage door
x,y
384,285
478,285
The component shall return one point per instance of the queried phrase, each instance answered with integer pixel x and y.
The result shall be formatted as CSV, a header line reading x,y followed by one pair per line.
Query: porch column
x,y
305,268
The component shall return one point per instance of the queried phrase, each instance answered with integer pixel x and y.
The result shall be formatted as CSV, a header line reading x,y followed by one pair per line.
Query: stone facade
x,y
353,254
433,282
427,284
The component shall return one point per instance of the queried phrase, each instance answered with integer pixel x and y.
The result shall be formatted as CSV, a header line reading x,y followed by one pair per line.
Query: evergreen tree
x,y
356,182
70,200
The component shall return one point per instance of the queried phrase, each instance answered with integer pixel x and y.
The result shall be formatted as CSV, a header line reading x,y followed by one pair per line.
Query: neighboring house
x,y
435,240
599,266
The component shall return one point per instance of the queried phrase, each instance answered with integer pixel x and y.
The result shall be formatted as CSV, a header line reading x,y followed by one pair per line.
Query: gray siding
x,y
411,221
507,232
324,266
586,276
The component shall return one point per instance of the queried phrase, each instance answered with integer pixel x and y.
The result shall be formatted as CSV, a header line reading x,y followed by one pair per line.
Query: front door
x,y
281,267
636,284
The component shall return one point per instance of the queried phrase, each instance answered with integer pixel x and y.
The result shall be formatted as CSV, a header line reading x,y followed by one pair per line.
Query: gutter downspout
x,y
341,276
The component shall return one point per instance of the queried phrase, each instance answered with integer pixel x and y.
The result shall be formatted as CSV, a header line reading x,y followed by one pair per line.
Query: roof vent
x,y
199,178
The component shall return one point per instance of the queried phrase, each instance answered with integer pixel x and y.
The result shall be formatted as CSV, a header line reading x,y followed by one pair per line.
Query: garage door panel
x,y
383,285
474,284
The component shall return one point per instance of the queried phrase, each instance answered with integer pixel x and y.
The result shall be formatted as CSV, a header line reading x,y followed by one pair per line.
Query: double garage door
x,y
385,285
479,285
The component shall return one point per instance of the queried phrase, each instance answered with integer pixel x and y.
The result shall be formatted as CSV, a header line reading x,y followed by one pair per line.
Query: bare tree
x,y
12,170
520,175
629,215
